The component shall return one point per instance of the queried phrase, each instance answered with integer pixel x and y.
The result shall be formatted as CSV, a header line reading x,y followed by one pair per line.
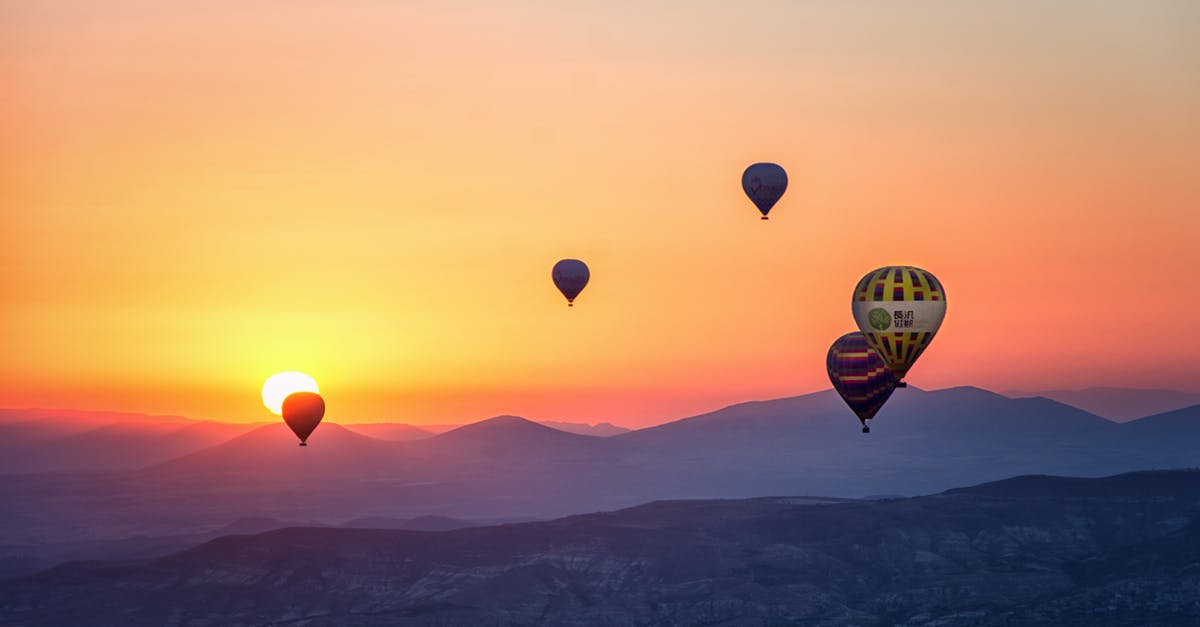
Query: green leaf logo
x,y
879,318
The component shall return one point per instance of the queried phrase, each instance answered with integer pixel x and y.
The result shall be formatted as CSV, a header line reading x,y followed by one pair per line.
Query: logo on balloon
x,y
879,318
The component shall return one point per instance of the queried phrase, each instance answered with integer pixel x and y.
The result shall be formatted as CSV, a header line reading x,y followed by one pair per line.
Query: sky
x,y
196,195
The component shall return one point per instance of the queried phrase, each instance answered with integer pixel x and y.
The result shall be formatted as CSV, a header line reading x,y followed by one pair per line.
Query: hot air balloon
x,y
570,276
302,411
764,183
859,375
899,309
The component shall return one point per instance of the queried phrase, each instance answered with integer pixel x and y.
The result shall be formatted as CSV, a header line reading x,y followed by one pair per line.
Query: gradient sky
x,y
196,195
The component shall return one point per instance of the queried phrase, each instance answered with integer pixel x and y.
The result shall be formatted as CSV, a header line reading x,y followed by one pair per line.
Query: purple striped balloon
x,y
859,375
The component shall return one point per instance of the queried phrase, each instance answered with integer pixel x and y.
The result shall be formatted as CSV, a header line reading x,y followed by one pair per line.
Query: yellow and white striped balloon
x,y
899,309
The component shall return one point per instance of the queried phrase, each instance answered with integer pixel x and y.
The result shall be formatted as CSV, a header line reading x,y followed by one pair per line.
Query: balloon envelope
x,y
764,184
899,309
859,375
302,411
570,276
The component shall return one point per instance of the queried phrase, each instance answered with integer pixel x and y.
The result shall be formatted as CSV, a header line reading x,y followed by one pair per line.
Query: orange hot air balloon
x,y
302,411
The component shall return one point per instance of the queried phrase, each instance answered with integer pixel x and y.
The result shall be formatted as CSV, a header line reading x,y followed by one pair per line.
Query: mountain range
x,y
52,440
1119,404
61,440
509,468
1122,550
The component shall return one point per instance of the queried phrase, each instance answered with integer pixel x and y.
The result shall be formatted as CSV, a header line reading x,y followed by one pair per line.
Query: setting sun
x,y
278,386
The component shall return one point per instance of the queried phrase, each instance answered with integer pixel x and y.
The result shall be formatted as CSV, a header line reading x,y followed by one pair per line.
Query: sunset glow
x,y
374,193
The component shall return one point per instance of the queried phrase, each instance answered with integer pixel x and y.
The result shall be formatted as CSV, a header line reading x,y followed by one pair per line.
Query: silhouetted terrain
x,y
392,431
598,429
510,468
602,429
1122,550
41,440
1119,404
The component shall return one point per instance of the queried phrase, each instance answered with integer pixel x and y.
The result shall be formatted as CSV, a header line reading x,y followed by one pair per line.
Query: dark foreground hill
x,y
1122,550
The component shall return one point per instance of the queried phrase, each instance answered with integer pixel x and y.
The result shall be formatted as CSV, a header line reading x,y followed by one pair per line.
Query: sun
x,y
278,386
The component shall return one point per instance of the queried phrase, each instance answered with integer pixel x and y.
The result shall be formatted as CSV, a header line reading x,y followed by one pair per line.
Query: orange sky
x,y
196,195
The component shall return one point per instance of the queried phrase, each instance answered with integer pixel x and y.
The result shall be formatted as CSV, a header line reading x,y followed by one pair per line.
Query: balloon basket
x,y
902,384
304,444
866,429
763,218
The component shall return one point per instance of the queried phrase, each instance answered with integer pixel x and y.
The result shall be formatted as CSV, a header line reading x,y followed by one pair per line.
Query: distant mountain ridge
x,y
1119,550
1119,404
390,431
600,429
511,468
56,443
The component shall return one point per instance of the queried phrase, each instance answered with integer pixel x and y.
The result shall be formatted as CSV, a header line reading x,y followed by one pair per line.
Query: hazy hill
x,y
1036,550
36,442
1137,486
508,467
1120,404
401,432
507,435
420,523
390,431
971,415
1164,440
920,442
983,417
273,451
601,429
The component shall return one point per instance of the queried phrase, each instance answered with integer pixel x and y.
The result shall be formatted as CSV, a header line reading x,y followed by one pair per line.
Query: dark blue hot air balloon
x,y
570,277
764,184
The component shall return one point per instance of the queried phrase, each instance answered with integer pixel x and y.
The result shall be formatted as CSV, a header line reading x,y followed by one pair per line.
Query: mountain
x,y
499,468
400,432
507,434
511,468
40,441
921,440
1121,550
1119,404
273,451
1141,485
420,523
601,429
24,559
390,431
1165,440
967,413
